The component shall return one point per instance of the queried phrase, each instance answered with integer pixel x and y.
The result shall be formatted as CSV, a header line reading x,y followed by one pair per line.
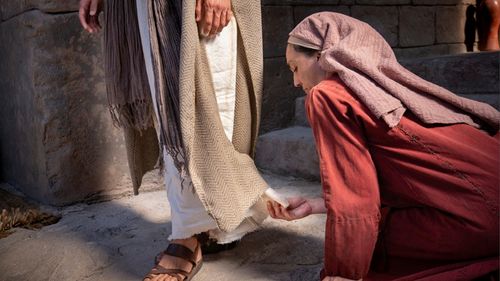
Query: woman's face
x,y
306,70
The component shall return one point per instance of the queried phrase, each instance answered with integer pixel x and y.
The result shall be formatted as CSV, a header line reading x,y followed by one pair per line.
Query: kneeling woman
x,y
410,171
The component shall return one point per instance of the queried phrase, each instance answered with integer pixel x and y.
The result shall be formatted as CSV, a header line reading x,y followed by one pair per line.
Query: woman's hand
x,y
212,16
299,208
89,14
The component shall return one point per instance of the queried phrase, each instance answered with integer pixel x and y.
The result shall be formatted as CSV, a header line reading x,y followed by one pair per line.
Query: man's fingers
x,y
88,14
98,23
215,23
82,14
83,21
229,15
207,21
197,10
223,22
94,5
94,23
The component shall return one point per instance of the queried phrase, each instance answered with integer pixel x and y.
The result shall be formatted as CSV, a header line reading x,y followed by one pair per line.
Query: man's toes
x,y
169,278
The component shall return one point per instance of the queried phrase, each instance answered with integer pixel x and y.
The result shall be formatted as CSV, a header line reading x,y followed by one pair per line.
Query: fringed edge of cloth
x,y
127,86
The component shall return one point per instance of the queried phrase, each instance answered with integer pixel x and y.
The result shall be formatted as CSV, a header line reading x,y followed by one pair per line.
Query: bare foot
x,y
168,262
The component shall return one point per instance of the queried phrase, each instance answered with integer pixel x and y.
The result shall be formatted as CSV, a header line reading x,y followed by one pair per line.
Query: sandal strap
x,y
163,270
182,252
176,275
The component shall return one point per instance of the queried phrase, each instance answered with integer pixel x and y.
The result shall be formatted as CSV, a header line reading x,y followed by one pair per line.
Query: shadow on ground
x,y
118,240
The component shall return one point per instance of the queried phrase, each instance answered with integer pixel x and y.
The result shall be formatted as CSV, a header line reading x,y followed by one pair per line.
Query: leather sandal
x,y
180,251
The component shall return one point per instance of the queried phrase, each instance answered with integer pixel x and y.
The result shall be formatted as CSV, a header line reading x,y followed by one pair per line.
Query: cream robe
x,y
189,216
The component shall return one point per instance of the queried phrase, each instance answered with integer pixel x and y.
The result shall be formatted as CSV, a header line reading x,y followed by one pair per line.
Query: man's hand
x,y
299,208
89,14
212,16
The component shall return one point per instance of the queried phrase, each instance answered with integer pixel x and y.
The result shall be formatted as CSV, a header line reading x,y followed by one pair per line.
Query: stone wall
x,y
414,28
57,141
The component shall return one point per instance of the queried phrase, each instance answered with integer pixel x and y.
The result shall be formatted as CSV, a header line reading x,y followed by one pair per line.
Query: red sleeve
x,y
349,181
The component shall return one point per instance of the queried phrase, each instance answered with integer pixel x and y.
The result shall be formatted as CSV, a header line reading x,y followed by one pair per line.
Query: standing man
x,y
198,82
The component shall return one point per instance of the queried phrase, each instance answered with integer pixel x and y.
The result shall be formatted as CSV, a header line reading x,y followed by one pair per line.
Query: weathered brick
x,y
346,2
277,23
300,118
443,2
468,74
416,26
458,48
450,24
279,95
301,12
382,2
9,8
431,51
291,151
382,19
421,52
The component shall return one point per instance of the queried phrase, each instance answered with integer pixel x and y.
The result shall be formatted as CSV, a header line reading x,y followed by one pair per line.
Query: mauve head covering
x,y
364,61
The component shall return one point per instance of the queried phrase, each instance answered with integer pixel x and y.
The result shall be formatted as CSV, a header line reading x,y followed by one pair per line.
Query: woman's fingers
x,y
270,210
296,201
301,211
276,211
299,208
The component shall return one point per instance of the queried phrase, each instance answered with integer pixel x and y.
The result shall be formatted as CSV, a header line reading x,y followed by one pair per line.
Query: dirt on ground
x,y
17,211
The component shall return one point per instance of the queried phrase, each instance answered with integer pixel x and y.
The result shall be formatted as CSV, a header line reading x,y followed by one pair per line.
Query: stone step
x,y
289,152
300,118
471,75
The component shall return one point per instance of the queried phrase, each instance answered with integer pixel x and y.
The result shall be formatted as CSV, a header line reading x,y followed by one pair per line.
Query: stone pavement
x,y
118,239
